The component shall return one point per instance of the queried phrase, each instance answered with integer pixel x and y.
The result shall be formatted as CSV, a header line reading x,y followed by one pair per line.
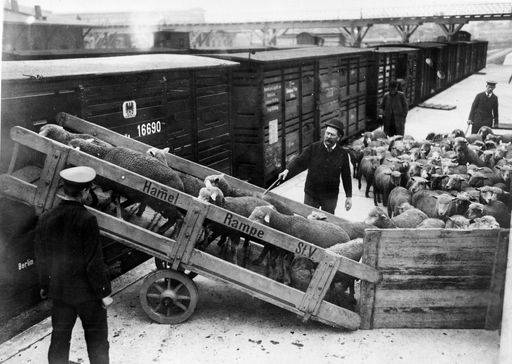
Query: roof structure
x,y
77,67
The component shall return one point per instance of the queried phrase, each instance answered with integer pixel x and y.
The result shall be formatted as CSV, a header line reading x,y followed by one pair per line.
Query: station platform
x,y
232,327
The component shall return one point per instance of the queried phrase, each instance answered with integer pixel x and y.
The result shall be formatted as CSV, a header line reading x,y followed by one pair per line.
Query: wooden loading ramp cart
x,y
40,187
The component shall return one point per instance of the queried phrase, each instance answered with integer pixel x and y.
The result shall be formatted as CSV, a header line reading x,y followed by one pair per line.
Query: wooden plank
x,y
412,282
367,291
444,318
318,286
497,289
250,282
432,298
440,270
17,188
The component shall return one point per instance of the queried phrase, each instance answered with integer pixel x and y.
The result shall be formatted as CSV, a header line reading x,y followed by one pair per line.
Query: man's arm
x,y
474,106
93,255
346,178
299,163
495,112
405,105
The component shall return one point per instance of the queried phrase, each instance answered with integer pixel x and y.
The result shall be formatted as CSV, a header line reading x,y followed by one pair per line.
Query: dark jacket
x,y
484,111
324,170
394,107
69,255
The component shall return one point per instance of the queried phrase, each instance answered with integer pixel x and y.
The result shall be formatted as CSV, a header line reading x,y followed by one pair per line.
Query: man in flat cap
x,y
71,270
484,111
325,161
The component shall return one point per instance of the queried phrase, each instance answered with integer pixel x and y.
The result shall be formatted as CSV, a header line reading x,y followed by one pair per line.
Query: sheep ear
x,y
435,196
214,195
166,150
267,218
90,140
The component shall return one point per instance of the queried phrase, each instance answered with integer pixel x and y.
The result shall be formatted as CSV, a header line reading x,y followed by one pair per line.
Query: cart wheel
x,y
168,297
163,264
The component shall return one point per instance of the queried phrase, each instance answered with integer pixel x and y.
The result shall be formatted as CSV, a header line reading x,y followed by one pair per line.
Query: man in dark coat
x,y
484,111
325,161
72,272
394,110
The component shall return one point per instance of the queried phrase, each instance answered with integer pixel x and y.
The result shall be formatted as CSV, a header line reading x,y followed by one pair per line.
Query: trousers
x,y
94,321
326,204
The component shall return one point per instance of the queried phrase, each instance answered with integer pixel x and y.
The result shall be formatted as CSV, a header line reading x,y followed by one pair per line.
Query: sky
x,y
230,8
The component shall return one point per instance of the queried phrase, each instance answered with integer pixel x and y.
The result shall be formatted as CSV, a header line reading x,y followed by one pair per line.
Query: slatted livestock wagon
x,y
167,295
283,98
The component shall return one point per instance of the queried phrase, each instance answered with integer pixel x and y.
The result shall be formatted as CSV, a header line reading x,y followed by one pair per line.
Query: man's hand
x,y
43,293
470,122
282,175
106,301
348,203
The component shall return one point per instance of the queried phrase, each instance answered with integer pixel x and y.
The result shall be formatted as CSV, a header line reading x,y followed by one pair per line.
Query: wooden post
x,y
506,320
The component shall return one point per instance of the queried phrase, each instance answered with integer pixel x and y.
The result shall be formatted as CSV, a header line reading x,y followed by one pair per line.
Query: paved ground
x,y
232,327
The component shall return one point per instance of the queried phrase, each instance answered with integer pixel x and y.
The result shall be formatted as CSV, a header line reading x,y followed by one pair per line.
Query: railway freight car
x,y
180,101
389,63
283,98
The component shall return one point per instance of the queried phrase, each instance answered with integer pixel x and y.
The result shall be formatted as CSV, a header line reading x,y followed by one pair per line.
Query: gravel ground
x,y
232,327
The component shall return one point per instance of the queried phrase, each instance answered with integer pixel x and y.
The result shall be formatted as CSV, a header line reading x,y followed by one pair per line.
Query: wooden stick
x,y
276,182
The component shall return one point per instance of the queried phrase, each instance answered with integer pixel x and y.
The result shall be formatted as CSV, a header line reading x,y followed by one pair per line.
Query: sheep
x,y
426,201
484,222
317,232
497,209
385,180
456,182
302,270
58,133
367,169
431,223
397,196
457,222
410,218
466,155
356,155
221,182
321,233
243,205
141,164
354,229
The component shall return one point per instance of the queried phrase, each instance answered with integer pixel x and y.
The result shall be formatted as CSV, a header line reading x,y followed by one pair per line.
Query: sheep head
x,y
457,222
55,132
317,215
484,131
218,180
489,193
211,195
475,210
378,218
262,214
485,222
159,154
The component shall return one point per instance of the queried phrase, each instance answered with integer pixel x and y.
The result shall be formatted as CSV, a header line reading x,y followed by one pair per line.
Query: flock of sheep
x,y
446,181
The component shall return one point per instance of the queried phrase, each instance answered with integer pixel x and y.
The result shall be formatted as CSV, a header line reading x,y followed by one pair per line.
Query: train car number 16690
x,y
153,127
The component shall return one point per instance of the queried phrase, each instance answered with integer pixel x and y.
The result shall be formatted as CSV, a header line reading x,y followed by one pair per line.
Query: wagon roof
x,y
292,54
392,49
12,70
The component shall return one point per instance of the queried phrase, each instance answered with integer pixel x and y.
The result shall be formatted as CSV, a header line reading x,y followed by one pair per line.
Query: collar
x,y
331,149
488,94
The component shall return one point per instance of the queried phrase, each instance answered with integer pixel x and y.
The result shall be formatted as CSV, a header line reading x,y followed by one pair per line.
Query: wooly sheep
x,y
58,133
457,222
317,232
484,222
410,218
497,209
302,270
354,229
397,196
367,169
431,223
141,164
191,184
221,182
384,181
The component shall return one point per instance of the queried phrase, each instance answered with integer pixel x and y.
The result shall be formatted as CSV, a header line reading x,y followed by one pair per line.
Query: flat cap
x,y
491,82
78,175
336,124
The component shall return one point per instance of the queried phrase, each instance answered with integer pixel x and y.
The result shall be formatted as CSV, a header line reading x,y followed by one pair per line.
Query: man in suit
x,y
484,111
72,272
325,161
394,109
